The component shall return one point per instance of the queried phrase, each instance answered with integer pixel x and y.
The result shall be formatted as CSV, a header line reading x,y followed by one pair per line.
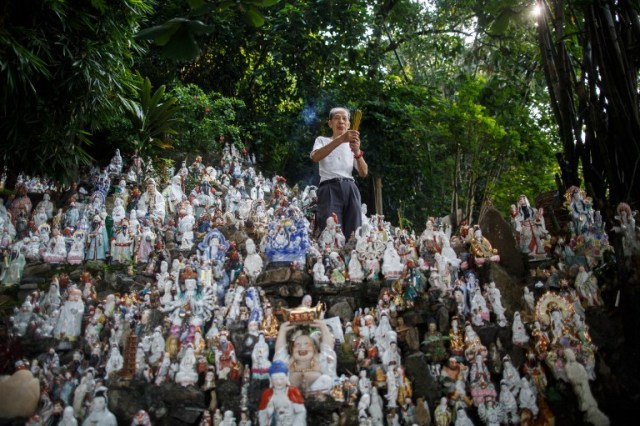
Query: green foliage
x,y
178,36
152,116
206,119
453,100
62,65
435,106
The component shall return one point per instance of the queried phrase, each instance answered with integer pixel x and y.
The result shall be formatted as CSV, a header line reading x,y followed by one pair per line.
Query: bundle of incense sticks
x,y
357,116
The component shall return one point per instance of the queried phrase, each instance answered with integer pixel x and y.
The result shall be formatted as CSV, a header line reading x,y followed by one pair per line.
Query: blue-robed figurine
x,y
98,241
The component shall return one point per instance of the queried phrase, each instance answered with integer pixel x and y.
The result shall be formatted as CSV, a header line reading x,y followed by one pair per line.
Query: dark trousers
x,y
339,196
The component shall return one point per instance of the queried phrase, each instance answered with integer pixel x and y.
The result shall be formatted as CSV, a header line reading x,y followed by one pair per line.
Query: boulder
x,y
229,396
344,310
510,291
424,385
496,229
37,269
122,283
20,395
487,333
321,410
169,404
273,276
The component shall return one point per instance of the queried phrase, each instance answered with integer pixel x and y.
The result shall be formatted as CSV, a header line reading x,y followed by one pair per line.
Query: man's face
x,y
339,121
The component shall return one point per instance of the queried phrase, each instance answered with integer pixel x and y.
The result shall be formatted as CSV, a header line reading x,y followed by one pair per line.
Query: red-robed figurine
x,y
282,403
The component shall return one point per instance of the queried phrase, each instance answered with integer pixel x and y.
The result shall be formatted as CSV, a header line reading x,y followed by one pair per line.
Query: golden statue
x,y
269,324
481,248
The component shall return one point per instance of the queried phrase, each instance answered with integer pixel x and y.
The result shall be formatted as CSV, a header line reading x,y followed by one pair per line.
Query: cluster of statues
x,y
205,248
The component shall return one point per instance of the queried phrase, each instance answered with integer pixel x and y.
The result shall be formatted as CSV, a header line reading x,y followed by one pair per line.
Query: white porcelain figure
x,y
253,263
281,404
118,212
174,194
309,369
519,334
185,227
100,414
187,374
152,203
577,376
115,361
495,299
392,266
56,251
527,398
69,323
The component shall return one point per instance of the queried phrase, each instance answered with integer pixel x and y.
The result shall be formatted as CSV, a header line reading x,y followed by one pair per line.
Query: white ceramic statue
x,y
69,325
185,227
310,370
577,376
187,374
56,251
253,263
118,212
115,361
152,203
392,266
319,272
100,414
627,227
495,299
174,194
281,404
519,334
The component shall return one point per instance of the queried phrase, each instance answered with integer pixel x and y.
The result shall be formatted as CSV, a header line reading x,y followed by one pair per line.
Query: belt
x,y
338,179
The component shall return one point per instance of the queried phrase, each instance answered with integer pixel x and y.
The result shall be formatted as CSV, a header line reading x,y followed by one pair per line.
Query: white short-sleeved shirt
x,y
338,164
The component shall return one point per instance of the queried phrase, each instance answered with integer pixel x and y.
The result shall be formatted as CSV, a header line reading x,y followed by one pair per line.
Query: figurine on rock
x,y
282,404
528,224
312,364
481,249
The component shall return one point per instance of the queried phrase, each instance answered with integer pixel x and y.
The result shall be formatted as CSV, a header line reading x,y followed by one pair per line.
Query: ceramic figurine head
x,y
279,374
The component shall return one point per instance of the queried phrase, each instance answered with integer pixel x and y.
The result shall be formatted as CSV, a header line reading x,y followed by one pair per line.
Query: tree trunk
x,y
595,98
377,194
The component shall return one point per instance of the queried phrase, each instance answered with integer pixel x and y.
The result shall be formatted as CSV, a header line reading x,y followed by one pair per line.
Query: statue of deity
x,y
97,241
433,344
100,414
174,195
69,325
56,251
628,229
282,404
312,367
481,248
529,227
152,203
253,263
187,374
581,210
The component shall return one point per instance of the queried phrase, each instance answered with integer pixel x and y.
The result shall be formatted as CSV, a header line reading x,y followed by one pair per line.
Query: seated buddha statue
x,y
481,248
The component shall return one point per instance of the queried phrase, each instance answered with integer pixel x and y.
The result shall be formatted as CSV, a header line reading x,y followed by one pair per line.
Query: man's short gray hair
x,y
338,109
